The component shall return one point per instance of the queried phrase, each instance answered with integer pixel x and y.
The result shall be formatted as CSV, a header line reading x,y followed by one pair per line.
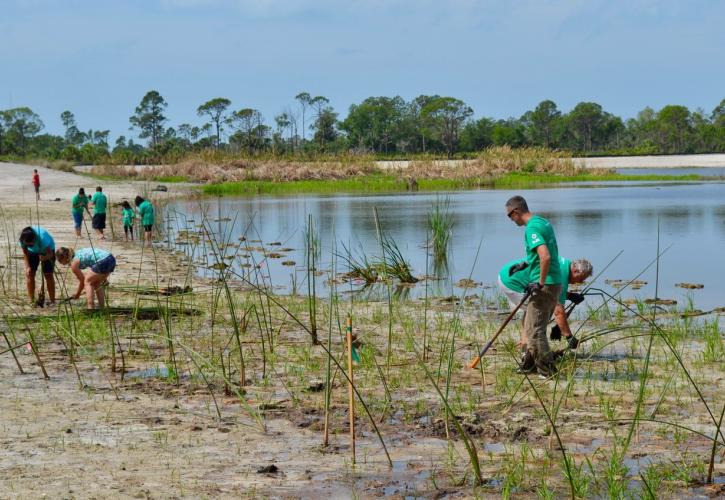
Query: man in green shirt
x,y
79,203
99,201
544,286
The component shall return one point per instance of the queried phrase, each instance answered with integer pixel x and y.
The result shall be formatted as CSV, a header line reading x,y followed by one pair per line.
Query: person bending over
x,y
38,247
98,265
572,272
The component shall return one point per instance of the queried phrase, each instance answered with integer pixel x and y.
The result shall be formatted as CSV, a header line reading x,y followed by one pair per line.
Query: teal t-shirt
x,y
43,241
79,203
99,203
540,232
89,256
146,211
128,216
517,281
564,269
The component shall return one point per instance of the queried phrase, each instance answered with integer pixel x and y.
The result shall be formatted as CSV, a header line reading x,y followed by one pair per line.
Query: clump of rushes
x,y
440,223
393,264
359,267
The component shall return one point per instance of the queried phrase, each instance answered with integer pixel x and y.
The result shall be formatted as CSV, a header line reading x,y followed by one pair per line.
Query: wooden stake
x,y
37,357
12,351
351,394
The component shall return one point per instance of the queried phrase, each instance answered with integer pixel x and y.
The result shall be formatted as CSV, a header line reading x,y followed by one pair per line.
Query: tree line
x,y
382,126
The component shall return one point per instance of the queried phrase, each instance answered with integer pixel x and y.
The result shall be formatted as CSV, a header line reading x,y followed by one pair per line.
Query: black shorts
x,y
34,261
99,221
127,229
148,227
37,187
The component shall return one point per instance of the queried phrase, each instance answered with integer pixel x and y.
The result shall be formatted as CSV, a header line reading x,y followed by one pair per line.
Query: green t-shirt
x,y
128,216
564,269
99,203
517,281
540,232
79,203
146,211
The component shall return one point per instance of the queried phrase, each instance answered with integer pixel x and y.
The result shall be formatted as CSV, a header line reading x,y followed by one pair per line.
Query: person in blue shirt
x,y
98,265
38,246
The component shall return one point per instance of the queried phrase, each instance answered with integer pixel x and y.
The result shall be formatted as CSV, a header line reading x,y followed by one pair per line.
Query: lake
x,y
595,221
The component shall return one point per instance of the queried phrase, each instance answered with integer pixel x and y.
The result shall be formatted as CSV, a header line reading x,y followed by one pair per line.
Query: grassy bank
x,y
389,183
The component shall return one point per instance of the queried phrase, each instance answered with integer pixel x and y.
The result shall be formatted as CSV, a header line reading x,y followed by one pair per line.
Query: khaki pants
x,y
540,308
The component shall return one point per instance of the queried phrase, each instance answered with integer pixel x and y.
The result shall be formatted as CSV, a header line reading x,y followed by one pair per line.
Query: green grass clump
x,y
379,183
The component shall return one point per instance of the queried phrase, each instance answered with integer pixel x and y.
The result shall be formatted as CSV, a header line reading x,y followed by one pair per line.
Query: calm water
x,y
593,222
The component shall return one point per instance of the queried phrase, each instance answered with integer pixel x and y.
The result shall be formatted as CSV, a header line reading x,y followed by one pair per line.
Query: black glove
x,y
518,267
573,342
555,333
533,288
576,298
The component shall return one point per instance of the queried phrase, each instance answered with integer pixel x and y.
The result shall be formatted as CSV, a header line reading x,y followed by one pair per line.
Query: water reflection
x,y
591,223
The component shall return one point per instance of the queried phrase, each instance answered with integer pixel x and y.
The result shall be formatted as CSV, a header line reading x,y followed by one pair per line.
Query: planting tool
x,y
41,295
485,349
351,395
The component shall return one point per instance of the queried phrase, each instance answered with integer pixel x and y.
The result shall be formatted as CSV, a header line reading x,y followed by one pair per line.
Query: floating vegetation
x,y
690,286
467,283
633,284
288,263
274,255
661,302
219,266
275,244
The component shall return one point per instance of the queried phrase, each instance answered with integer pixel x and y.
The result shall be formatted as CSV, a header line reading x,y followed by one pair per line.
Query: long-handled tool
x,y
485,349
41,295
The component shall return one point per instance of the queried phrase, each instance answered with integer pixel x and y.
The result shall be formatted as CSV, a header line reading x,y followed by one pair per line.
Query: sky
x,y
98,58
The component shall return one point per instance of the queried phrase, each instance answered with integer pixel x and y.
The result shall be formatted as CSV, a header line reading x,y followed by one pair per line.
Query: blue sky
x,y
98,58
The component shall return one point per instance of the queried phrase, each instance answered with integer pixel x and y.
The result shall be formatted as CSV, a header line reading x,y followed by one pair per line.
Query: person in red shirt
x,y
36,183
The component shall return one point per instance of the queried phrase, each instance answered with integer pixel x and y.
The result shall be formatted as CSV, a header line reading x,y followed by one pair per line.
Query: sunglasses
x,y
511,213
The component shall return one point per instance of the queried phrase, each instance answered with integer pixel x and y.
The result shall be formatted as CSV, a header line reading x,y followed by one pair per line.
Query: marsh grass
x,y
440,227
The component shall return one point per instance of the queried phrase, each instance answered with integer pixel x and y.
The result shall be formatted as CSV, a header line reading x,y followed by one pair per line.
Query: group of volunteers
x,y
91,266
99,201
540,281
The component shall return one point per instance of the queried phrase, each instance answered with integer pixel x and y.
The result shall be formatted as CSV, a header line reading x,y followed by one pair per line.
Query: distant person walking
x,y
128,214
146,211
36,184
98,263
38,247
79,205
99,201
